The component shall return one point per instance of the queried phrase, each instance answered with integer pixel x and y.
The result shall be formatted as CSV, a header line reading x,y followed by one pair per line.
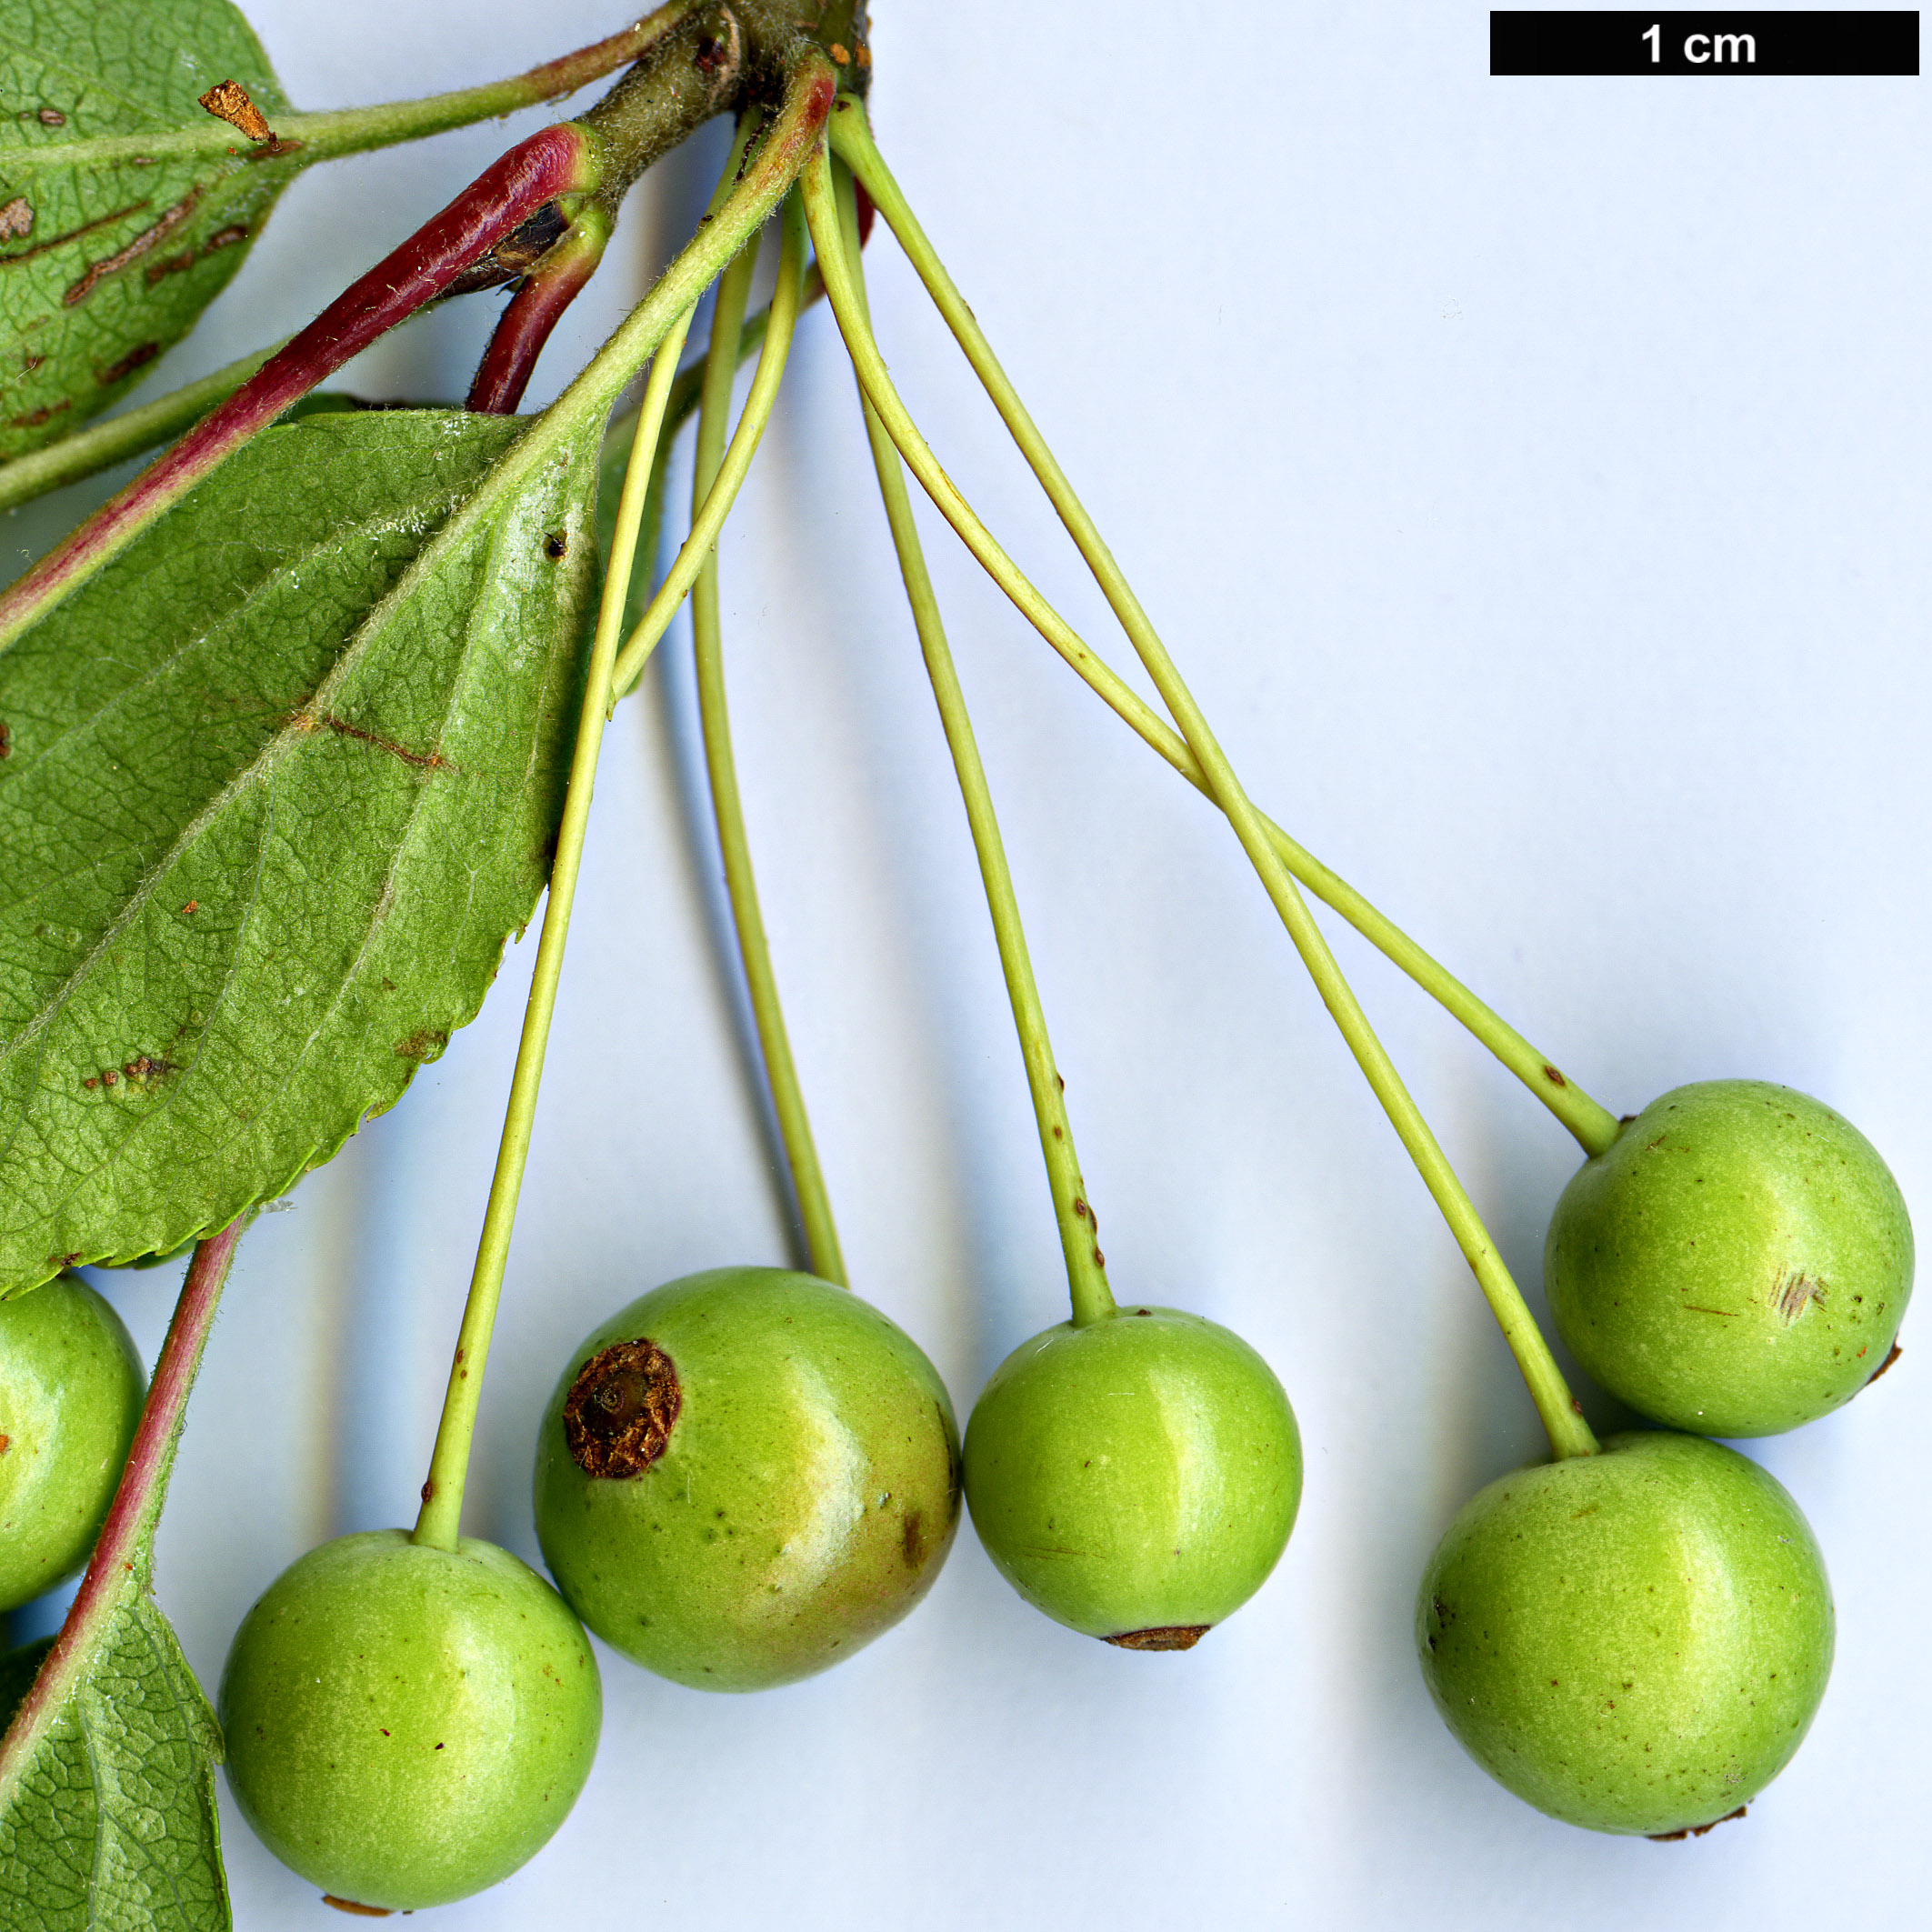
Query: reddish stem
x,y
536,308
558,161
137,1501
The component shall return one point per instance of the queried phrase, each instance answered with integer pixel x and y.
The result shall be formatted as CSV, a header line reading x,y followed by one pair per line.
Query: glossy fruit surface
x,y
1136,1480
406,1725
1735,1264
744,1477
71,1386
1634,1641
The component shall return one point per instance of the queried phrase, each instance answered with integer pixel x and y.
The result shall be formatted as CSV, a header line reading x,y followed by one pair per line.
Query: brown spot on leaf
x,y
6,739
1892,1356
1162,1637
17,219
429,761
52,117
557,546
226,237
34,418
174,265
139,357
427,1044
1695,1831
621,1409
228,101
146,243
71,235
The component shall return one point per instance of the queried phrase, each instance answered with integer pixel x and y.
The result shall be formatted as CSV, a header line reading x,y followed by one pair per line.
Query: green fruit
x,y
744,1477
1634,1641
71,1387
1136,1480
406,1725
1736,1263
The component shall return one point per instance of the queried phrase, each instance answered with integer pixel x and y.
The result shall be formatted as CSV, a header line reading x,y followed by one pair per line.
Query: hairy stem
x,y
1092,1299
125,1546
555,162
1594,1127
1562,1420
794,1127
307,137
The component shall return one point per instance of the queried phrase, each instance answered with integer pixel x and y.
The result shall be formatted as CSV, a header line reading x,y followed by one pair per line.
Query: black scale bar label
x,y
1720,43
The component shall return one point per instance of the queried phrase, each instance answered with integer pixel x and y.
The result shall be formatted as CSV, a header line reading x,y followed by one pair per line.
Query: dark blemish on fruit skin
x,y
358,1911
1161,1636
1793,1294
1895,1352
911,1543
1695,1831
621,1409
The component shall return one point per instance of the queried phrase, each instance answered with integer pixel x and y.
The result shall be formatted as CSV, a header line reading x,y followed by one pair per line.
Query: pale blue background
x,y
1532,477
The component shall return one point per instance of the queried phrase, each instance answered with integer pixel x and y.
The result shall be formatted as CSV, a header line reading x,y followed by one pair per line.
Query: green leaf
x,y
112,1825
105,262
280,781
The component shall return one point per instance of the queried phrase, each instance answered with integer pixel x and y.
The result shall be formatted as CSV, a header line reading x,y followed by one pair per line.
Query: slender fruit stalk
x,y
794,1127
1562,1419
558,161
1092,1300
439,1524
124,1547
656,328
1594,1126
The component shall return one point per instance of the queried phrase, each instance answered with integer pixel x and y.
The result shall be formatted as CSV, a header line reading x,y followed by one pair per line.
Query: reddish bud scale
x,y
558,161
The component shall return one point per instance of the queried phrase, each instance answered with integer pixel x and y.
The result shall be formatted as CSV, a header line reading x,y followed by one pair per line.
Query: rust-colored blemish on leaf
x,y
428,761
6,739
17,219
174,264
426,1045
73,235
620,1411
138,357
1161,1636
228,101
52,117
6,1442
34,418
1695,1831
146,243
226,237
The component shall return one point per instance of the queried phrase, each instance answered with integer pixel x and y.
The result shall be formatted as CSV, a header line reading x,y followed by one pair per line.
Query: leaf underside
x,y
112,1825
104,262
280,783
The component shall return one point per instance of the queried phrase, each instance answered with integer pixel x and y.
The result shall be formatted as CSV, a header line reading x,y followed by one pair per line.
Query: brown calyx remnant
x,y
1162,1637
1695,1831
619,1413
1891,1356
228,101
